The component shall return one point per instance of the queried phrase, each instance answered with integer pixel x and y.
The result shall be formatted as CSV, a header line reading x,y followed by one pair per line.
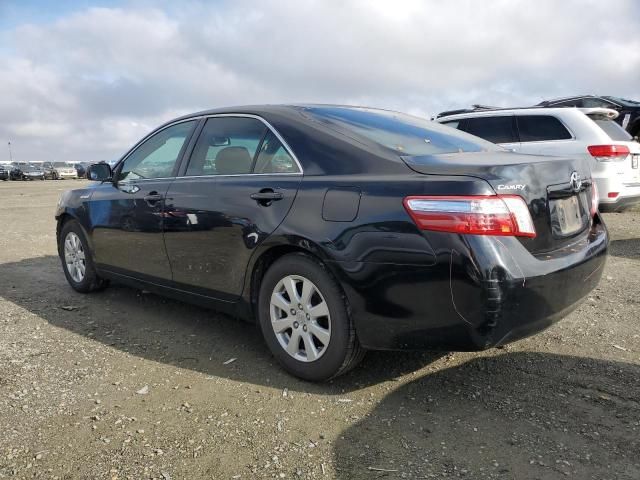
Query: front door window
x,y
157,156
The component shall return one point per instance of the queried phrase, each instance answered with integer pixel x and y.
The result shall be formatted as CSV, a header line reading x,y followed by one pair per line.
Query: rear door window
x,y
497,129
226,146
540,128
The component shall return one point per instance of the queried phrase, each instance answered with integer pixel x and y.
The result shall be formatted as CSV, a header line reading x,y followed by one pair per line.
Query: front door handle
x,y
266,196
152,198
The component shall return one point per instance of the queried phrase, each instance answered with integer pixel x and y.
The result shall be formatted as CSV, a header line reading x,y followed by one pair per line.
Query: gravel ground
x,y
125,384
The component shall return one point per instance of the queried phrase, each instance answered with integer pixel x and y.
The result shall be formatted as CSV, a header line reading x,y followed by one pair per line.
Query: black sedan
x,y
628,110
26,171
340,229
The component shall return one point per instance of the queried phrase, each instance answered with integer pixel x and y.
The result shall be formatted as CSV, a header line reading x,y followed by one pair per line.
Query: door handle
x,y
152,198
266,196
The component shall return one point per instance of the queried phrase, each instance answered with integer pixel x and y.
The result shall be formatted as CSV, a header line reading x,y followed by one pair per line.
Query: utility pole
x,y
10,155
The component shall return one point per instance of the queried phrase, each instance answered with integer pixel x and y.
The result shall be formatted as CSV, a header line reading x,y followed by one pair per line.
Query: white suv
x,y
563,132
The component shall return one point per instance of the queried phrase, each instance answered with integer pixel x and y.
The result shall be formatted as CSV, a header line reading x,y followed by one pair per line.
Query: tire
x,y
88,281
321,361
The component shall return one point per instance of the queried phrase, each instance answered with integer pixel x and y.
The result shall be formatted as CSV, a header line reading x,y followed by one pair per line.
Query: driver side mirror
x,y
99,172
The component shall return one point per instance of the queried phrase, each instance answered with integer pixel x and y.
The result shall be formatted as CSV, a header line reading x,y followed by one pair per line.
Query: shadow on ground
x,y
163,330
627,248
515,415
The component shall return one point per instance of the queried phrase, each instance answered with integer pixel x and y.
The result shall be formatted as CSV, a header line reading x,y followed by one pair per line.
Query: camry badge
x,y
575,181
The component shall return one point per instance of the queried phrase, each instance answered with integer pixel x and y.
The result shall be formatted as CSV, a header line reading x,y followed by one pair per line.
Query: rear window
x,y
403,134
494,129
611,128
540,128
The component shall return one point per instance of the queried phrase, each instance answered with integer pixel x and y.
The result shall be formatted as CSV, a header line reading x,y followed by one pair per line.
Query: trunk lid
x,y
559,206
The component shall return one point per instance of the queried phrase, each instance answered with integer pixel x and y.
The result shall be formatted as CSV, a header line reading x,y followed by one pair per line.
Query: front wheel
x,y
305,320
77,263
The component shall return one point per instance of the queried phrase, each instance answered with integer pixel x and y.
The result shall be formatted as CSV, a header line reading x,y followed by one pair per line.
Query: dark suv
x,y
4,173
629,110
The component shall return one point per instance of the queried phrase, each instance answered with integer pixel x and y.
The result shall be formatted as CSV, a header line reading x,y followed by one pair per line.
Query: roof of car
x,y
507,111
562,99
266,109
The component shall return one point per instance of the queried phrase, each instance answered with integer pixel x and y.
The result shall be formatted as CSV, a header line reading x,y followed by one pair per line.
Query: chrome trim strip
x,y
297,174
187,177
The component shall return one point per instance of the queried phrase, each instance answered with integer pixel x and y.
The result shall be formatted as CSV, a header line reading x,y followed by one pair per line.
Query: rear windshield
x,y
403,134
611,128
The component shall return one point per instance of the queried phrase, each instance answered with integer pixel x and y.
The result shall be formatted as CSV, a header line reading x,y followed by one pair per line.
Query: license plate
x,y
568,215
634,161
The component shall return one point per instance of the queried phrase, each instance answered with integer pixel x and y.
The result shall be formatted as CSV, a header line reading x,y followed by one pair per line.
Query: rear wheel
x,y
77,264
305,320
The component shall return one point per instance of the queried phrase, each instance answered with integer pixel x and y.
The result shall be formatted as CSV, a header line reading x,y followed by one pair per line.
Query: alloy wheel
x,y
300,318
74,257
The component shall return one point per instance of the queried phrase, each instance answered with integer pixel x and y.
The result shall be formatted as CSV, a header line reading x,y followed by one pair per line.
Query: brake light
x,y
595,199
607,153
505,215
613,194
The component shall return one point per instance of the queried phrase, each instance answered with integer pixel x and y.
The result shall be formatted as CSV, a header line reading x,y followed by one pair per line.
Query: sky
x,y
84,80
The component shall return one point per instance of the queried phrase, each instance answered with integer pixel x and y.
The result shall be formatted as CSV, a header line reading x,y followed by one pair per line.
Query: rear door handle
x,y
267,195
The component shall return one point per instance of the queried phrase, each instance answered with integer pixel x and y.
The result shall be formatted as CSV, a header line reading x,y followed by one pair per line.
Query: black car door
x,y
237,187
126,214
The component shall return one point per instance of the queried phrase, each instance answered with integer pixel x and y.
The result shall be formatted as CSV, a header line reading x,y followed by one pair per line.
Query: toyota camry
x,y
340,229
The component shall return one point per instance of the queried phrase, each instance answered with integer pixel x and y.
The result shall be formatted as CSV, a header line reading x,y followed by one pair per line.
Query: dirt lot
x,y
124,384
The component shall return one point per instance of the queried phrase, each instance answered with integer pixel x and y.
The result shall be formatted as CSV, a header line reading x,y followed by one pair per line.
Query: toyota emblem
x,y
575,181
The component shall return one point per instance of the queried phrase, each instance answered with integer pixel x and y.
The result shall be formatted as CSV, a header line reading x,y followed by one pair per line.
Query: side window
x,y
274,158
538,128
596,103
493,129
226,146
574,102
157,156
452,123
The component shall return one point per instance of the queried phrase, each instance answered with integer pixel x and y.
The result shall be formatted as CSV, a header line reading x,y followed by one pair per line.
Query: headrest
x,y
233,160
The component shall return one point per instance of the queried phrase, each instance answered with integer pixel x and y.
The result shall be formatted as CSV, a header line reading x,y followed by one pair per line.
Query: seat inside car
x,y
233,160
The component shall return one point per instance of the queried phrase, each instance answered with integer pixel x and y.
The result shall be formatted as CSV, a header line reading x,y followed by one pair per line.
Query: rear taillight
x,y
476,215
608,153
595,200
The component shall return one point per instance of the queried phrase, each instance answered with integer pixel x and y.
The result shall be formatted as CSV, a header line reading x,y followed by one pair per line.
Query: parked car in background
x,y
81,170
49,171
4,173
589,133
60,170
340,229
26,171
628,110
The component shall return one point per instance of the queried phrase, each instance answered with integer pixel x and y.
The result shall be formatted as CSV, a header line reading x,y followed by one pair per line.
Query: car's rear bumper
x,y
626,194
481,293
620,203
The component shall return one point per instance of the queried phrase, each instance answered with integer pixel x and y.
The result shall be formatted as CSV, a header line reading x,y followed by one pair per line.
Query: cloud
x,y
87,84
